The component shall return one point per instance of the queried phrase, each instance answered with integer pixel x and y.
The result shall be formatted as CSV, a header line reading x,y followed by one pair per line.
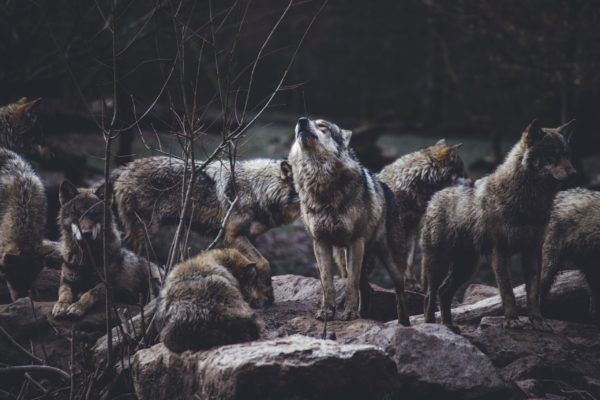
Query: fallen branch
x,y
19,347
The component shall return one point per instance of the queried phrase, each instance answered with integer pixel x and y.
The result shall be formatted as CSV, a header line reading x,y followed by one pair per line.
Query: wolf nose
x,y
303,122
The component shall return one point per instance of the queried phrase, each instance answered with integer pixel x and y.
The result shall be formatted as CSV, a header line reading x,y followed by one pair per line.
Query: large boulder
x,y
296,367
434,362
566,355
568,300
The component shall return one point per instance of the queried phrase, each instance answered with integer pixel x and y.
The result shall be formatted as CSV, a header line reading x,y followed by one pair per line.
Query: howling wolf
x,y
346,210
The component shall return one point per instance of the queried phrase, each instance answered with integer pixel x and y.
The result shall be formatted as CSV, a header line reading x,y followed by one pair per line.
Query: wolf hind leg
x,y
339,255
395,267
324,256
462,269
354,262
433,270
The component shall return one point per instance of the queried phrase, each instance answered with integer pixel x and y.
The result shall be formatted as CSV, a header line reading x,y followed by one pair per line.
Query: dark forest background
x,y
467,66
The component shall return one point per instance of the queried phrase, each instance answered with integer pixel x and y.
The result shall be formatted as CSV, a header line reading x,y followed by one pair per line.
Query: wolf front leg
x,y
324,255
532,265
65,298
500,264
354,262
87,300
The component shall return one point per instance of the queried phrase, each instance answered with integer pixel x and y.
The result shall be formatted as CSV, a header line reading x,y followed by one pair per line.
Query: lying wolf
x,y
573,239
81,222
204,302
346,209
148,194
502,214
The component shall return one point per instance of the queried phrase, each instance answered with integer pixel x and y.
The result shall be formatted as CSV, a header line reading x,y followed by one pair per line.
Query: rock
x,y
568,300
543,363
308,290
434,362
23,317
295,367
45,285
476,292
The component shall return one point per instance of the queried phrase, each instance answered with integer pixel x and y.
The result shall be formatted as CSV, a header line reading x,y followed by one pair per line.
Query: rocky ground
x,y
298,357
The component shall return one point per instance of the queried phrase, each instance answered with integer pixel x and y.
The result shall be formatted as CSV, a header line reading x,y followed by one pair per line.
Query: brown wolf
x,y
23,218
573,239
204,302
414,178
81,222
148,194
502,214
346,210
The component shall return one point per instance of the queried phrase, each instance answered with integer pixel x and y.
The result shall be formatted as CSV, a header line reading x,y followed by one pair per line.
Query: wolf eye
x,y
320,126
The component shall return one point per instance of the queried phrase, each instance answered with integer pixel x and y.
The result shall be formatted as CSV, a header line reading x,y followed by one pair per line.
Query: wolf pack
x,y
357,220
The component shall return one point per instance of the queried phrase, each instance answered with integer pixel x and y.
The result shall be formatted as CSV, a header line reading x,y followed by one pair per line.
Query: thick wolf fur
x,y
502,214
573,239
81,222
23,218
148,194
204,302
414,178
347,211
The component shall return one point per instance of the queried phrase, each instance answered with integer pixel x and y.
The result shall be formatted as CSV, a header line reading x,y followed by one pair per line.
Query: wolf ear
x,y
99,191
286,171
567,129
534,133
67,192
441,142
250,272
346,135
23,106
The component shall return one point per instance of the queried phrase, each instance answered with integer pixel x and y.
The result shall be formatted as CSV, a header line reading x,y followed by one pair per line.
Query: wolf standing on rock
x,y
573,239
503,214
81,222
345,209
414,178
148,194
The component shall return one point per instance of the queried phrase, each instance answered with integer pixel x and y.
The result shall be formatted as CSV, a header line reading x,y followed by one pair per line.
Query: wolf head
x,y
253,287
82,212
448,164
321,138
16,120
547,150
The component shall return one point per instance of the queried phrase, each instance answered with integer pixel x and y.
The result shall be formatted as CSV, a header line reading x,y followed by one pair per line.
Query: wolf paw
x,y
75,310
325,313
349,315
512,323
59,309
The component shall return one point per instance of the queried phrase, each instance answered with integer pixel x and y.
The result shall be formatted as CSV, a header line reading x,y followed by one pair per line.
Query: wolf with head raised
x,y
502,214
348,211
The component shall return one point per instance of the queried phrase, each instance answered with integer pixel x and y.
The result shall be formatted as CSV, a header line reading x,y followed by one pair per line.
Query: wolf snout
x,y
87,228
303,123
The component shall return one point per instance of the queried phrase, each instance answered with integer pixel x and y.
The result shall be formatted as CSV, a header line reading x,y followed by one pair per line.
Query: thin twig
x,y
19,347
223,224
35,368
